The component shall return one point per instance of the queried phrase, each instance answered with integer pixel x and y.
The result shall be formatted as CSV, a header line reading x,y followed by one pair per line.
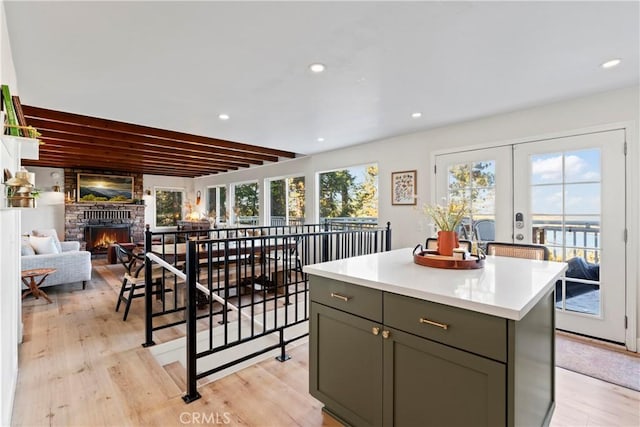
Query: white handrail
x,y
155,258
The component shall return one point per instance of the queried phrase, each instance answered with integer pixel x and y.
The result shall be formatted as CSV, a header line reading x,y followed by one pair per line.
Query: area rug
x,y
601,361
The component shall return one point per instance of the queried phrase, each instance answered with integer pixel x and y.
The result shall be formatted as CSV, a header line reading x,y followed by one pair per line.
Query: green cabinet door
x,y
345,365
430,384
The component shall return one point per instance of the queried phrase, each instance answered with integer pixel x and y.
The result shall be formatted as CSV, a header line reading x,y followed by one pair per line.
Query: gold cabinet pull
x,y
431,322
342,297
385,334
375,330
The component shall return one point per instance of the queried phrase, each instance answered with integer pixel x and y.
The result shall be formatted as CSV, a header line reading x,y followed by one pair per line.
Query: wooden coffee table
x,y
29,279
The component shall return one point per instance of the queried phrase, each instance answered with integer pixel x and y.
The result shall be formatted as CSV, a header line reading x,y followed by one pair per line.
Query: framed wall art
x,y
105,188
403,188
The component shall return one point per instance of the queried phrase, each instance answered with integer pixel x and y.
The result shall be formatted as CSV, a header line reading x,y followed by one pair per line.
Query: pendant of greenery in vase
x,y
447,218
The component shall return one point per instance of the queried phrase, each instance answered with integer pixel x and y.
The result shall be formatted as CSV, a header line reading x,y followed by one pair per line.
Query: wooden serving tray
x,y
433,259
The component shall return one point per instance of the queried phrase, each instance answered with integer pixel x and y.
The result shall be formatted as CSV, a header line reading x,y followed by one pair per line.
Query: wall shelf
x,y
29,147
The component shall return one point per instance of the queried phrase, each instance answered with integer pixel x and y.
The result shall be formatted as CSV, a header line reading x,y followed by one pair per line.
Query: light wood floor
x,y
81,365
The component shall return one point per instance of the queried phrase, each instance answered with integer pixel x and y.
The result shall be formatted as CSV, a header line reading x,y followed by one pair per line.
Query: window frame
x,y
231,203
208,201
267,196
359,165
180,190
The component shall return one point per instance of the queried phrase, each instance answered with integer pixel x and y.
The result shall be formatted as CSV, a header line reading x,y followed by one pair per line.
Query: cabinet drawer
x,y
475,332
354,299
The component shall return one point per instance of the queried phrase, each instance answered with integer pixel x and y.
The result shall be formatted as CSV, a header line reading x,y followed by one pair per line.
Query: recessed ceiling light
x,y
320,139
223,116
416,115
317,67
611,63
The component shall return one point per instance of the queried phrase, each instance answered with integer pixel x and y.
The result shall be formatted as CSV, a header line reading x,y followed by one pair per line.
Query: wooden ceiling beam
x,y
128,128
73,140
77,132
81,148
125,169
131,164
127,166
115,168
132,167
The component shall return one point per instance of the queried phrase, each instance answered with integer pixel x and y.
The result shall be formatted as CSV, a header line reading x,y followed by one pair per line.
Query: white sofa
x,y
72,265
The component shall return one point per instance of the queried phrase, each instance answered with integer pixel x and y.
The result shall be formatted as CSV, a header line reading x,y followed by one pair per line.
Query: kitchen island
x,y
393,343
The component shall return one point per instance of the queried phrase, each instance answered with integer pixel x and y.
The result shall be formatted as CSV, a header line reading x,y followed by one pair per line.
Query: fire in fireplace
x,y
99,237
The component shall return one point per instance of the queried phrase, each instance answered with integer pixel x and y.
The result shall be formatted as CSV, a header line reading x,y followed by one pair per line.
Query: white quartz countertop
x,y
505,287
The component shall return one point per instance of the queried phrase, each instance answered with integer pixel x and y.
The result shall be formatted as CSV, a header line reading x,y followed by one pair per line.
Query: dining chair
x,y
284,262
484,230
134,278
518,250
463,229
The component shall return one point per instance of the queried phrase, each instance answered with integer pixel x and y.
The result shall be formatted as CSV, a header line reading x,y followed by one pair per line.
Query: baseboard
x,y
547,419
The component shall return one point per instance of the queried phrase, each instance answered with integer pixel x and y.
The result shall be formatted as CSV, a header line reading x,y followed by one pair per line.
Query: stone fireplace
x,y
96,225
84,219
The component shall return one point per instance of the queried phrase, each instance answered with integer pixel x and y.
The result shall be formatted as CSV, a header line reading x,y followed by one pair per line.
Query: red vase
x,y
447,242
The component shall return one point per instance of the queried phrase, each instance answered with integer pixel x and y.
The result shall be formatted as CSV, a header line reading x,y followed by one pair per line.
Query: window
x,y
566,203
349,194
473,185
217,204
246,204
286,201
168,206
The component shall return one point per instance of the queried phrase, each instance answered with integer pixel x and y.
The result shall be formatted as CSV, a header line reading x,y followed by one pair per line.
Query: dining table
x,y
260,257
235,249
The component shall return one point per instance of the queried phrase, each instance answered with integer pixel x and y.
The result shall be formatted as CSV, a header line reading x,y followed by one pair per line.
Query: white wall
x,y
415,151
49,211
7,69
10,302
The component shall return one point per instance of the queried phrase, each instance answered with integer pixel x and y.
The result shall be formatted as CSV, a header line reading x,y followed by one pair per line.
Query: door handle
x,y
519,236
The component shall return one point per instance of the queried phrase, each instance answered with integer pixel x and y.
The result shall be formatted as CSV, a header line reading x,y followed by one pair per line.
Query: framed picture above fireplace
x,y
105,188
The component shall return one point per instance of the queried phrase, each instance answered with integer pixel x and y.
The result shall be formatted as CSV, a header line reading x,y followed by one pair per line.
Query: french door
x,y
571,194
565,193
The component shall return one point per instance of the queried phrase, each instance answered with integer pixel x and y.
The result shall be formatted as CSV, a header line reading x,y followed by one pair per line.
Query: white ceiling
x,y
177,65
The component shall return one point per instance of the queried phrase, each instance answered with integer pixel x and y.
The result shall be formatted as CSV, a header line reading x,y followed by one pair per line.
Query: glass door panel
x,y
472,178
565,209
559,188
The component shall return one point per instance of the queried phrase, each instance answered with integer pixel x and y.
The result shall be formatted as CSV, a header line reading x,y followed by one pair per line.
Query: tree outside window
x,y
286,197
168,206
350,194
473,185
217,204
246,205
